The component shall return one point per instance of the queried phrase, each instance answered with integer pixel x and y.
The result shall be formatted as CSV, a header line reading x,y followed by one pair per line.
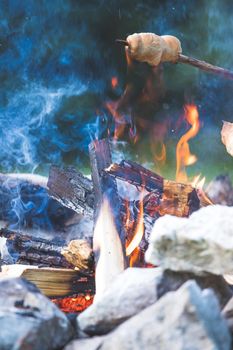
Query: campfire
x,y
126,252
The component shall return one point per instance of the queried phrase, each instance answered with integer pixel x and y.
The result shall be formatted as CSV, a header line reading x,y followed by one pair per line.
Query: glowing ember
x,y
74,304
183,154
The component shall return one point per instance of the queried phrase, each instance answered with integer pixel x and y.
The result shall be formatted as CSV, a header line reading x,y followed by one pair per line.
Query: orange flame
x,y
74,304
114,82
139,231
161,158
198,182
118,118
183,154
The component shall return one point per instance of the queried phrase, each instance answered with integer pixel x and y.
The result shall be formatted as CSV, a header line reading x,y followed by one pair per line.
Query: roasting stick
x,y
158,49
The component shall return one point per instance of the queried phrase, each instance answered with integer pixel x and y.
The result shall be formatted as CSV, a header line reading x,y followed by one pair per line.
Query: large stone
x,y
29,320
187,319
201,243
172,280
228,314
132,291
93,343
136,289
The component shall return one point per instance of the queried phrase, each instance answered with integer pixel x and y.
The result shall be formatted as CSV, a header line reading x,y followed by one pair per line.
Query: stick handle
x,y
227,74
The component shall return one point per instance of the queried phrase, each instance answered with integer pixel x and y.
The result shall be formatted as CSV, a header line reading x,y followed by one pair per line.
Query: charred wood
x,y
26,249
72,189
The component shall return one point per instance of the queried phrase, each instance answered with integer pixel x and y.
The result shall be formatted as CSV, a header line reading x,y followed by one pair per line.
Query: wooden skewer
x,y
205,66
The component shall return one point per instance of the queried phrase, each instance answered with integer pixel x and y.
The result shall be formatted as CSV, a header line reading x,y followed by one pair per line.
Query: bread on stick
x,y
153,49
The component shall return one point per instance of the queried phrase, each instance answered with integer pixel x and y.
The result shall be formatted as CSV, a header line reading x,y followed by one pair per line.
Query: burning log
x,y
26,249
109,234
105,186
171,197
72,189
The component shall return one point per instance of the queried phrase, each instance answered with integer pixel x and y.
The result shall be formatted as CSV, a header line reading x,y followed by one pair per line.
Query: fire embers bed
x,y
75,303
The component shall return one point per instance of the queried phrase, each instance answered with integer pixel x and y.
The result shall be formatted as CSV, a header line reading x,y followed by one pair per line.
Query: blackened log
x,y
72,189
174,198
136,175
26,249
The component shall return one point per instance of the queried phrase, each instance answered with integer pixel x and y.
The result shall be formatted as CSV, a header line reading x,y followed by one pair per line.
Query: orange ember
x,y
114,82
74,304
183,154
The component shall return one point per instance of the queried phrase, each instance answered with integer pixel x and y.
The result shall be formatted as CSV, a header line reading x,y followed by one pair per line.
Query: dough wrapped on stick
x,y
154,49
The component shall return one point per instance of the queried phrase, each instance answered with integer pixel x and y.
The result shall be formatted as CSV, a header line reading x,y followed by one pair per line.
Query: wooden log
x,y
53,282
136,175
72,189
174,198
105,186
25,249
109,233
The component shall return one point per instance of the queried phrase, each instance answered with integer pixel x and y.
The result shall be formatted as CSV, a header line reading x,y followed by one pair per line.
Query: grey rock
x,y
172,280
188,319
85,344
227,313
220,190
29,320
136,289
201,243
132,291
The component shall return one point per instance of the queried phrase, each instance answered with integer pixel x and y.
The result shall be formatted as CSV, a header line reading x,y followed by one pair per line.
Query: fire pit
x,y
133,255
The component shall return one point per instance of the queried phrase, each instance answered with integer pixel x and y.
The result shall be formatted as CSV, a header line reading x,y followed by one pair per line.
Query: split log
x,y
171,197
53,282
109,233
105,186
72,189
25,249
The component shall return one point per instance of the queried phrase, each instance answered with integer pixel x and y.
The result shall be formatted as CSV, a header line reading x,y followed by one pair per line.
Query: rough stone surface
x,y
29,320
187,319
228,314
172,280
86,344
201,243
220,190
132,291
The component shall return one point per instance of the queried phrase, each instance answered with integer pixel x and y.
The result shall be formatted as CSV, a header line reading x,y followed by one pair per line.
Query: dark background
x,y
57,58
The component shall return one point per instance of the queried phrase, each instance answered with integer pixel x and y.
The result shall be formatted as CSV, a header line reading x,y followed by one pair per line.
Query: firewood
x,y
174,198
79,254
72,189
53,282
105,186
31,250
